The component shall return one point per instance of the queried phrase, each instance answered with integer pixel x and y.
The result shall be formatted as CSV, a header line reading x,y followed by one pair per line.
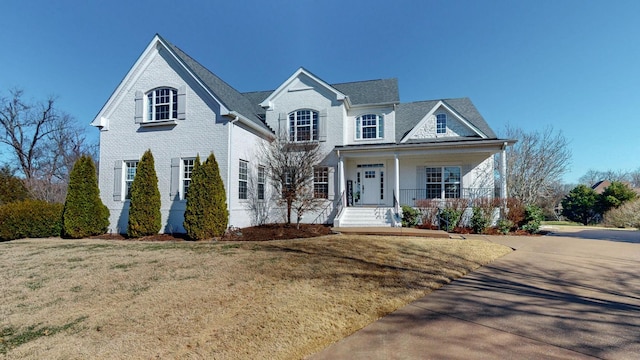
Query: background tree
x,y
43,142
144,209
84,214
593,176
206,215
535,163
290,170
580,205
615,195
12,188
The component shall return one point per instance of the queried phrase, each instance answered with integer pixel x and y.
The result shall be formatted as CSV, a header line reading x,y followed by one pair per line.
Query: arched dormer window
x,y
441,124
369,126
162,104
303,125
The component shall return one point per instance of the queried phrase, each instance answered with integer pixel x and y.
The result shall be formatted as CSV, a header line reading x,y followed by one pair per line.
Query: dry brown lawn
x,y
99,299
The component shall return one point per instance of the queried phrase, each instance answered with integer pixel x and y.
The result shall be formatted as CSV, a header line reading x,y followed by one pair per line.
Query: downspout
x,y
503,170
229,147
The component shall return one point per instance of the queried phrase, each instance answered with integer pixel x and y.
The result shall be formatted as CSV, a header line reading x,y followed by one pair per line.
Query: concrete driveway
x,y
571,295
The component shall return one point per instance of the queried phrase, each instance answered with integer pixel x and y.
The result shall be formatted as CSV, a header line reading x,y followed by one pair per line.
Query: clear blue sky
x,y
574,65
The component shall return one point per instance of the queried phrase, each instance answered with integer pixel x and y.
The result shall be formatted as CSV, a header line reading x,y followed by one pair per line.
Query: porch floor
x,y
399,231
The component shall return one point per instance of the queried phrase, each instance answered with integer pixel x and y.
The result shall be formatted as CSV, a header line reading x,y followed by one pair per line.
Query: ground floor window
x,y
261,181
130,173
243,177
443,182
321,182
187,172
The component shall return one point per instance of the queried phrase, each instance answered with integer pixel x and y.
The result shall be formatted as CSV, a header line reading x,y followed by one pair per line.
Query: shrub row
x,y
30,218
450,214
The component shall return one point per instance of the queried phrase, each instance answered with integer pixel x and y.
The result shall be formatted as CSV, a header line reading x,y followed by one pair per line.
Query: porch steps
x,y
366,217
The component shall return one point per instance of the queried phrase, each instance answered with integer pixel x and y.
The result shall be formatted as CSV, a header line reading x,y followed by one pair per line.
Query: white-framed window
x,y
369,126
243,177
131,166
321,182
162,104
261,182
443,182
303,125
187,172
441,124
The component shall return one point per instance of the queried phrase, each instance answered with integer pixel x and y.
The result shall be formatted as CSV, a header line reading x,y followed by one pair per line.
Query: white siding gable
x,y
456,126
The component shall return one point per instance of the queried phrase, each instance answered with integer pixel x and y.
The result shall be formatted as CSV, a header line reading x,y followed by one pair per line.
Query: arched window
x,y
303,125
369,126
441,124
162,104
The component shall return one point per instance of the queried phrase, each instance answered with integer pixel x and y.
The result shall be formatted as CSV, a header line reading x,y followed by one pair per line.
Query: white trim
x,y
431,115
268,102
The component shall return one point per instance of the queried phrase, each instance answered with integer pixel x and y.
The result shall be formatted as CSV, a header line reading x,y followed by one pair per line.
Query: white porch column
x,y
396,190
503,170
341,181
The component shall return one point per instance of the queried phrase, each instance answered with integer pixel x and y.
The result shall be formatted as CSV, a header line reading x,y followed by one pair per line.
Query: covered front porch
x,y
385,177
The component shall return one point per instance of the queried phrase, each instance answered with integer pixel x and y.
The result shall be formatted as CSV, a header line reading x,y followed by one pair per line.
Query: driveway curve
x,y
572,295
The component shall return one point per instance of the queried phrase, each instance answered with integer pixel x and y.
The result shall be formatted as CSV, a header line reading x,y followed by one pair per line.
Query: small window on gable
x,y
303,125
441,124
162,104
369,126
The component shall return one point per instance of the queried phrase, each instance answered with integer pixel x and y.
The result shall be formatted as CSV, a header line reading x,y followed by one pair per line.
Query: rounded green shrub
x,y
144,211
30,219
479,220
410,216
84,213
449,218
533,217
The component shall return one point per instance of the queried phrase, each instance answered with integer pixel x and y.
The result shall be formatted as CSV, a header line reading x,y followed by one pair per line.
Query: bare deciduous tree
x,y
43,142
290,168
593,176
535,163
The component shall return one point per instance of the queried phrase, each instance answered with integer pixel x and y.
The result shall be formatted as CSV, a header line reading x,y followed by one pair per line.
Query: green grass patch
x,y
11,337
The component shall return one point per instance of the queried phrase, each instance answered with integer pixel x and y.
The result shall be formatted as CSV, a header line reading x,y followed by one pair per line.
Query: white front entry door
x,y
372,186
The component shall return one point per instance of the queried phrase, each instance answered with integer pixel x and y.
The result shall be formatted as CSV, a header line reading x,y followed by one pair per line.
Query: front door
x,y
371,184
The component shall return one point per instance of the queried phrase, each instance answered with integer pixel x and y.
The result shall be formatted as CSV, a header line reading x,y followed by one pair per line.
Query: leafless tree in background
x,y
43,143
535,163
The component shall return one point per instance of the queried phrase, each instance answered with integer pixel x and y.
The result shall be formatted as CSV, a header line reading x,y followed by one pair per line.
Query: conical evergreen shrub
x,y
206,215
84,214
144,210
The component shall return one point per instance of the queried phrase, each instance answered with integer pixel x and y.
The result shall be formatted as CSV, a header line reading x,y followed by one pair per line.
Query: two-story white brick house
x,y
378,152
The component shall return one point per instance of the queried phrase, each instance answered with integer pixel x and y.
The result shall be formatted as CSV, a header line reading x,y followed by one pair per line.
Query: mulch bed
x,y
254,233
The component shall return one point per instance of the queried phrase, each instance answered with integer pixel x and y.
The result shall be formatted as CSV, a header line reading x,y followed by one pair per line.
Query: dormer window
x,y
441,124
369,126
162,104
303,125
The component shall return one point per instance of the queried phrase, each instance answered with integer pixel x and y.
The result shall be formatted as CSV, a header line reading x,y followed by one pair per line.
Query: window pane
x,y
321,182
243,175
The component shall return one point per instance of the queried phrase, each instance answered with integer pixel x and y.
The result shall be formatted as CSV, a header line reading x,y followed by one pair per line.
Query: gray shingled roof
x,y
408,115
370,92
230,97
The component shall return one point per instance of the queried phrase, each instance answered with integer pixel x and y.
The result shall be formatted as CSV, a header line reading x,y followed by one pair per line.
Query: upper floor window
x,y
303,125
162,104
369,127
441,124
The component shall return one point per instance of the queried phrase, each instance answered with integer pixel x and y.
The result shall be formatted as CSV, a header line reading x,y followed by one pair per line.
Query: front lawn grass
x,y
281,299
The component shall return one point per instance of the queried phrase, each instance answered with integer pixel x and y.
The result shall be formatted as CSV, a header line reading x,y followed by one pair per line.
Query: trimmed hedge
x,y
206,214
30,219
144,211
84,213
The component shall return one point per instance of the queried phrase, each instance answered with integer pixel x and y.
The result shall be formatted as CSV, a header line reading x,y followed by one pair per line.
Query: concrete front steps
x,y
366,217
